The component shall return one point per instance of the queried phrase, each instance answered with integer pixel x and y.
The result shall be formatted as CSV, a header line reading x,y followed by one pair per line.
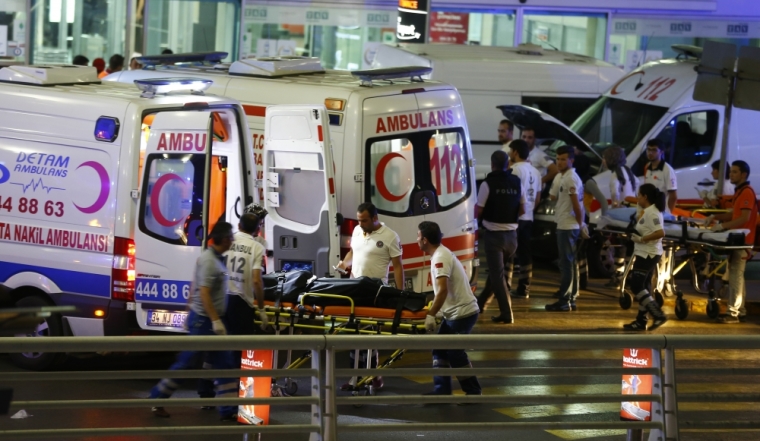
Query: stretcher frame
x,y
694,248
337,319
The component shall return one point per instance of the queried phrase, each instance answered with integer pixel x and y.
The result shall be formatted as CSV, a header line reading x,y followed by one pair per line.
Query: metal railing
x,y
324,399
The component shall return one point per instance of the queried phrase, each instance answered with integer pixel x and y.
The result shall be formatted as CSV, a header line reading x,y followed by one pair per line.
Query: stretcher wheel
x,y
291,387
659,298
626,300
712,308
682,308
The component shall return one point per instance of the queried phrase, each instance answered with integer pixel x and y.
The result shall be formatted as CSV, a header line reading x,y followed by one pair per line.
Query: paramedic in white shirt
x,y
374,247
455,301
530,184
660,174
567,190
647,250
505,131
538,158
245,288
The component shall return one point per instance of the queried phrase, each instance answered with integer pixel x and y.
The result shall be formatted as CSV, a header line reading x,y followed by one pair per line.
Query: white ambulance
x,y
655,101
559,83
397,141
107,193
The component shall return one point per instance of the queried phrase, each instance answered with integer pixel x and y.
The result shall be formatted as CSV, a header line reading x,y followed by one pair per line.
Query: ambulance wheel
x,y
712,308
626,300
659,298
48,327
291,387
682,308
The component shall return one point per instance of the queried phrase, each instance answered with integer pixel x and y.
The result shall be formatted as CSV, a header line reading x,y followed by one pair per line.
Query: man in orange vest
x,y
743,215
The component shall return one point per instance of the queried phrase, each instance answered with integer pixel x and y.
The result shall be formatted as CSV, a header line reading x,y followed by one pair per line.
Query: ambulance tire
x,y
601,256
49,327
291,387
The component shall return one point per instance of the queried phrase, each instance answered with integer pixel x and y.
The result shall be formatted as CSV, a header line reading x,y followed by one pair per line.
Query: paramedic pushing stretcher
x,y
454,299
207,304
373,248
647,250
743,215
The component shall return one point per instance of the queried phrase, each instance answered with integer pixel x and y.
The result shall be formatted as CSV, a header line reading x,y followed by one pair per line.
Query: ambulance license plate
x,y
174,319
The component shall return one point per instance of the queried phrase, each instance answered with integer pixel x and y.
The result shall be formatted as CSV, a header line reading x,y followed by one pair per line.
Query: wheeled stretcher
x,y
701,247
364,306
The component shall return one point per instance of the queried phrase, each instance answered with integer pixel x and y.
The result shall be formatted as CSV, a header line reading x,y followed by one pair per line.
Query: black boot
x,y
659,317
640,324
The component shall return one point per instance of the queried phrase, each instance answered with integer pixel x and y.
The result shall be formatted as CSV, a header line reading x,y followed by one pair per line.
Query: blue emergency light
x,y
107,129
414,73
153,86
194,57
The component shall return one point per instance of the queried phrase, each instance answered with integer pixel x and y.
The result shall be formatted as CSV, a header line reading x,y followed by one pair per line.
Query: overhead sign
x,y
320,16
449,27
686,28
412,21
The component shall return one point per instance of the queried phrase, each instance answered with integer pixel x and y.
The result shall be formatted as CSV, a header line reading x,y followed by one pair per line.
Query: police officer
x,y
454,299
206,302
500,203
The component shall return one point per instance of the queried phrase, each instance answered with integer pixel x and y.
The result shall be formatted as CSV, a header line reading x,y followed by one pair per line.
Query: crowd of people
x,y
115,63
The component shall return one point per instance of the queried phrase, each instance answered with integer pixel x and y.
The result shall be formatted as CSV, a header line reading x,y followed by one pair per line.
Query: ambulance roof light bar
x,y
41,75
149,61
156,86
413,73
687,51
274,67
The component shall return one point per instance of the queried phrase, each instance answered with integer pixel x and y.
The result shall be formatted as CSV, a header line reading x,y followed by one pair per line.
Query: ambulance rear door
x,y
299,190
191,176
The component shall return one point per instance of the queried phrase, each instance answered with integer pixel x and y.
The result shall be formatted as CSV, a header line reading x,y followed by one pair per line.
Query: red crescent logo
x,y
105,188
380,178
154,200
614,90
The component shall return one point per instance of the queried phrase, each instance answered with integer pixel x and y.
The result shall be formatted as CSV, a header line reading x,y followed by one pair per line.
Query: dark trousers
x,y
641,282
523,256
455,358
225,387
499,245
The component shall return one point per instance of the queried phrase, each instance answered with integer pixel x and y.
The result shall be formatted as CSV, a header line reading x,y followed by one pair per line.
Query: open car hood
x,y
546,126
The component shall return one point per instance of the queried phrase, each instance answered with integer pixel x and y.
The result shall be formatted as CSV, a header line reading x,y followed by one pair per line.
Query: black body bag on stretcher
x,y
364,291
294,283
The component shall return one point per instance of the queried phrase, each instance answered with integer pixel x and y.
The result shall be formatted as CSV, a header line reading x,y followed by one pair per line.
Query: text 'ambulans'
x,y
53,237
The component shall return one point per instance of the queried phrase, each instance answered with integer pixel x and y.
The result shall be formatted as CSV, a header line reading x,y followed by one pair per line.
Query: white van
x,y
397,141
655,101
107,193
558,83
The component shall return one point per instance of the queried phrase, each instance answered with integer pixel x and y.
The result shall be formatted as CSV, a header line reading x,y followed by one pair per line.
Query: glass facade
x,y
583,34
66,28
13,23
191,26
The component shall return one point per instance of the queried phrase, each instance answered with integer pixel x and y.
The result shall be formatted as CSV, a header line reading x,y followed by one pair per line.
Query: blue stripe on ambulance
x,y
75,282
162,291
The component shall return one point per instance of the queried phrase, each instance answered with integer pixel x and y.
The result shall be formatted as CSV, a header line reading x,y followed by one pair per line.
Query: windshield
x,y
611,121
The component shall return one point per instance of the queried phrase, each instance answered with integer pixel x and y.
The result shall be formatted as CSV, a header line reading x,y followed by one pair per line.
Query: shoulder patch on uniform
x,y
641,221
657,221
379,244
439,265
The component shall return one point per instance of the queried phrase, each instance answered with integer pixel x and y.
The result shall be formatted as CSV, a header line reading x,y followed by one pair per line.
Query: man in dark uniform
x,y
500,203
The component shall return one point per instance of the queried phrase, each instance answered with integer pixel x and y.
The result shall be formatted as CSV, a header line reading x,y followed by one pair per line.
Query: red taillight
x,y
346,230
123,270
